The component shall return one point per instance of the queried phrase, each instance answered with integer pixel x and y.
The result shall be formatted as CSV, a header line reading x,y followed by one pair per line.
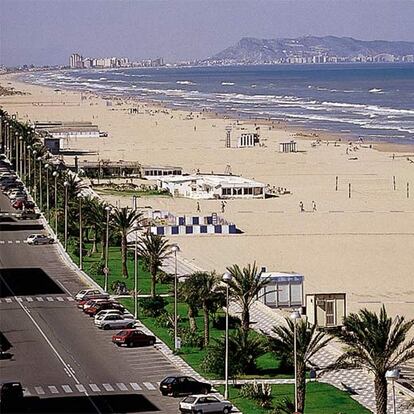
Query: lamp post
x,y
106,270
393,375
34,175
55,174
175,249
80,232
136,227
47,192
20,152
16,148
66,184
40,184
227,279
294,316
24,160
29,183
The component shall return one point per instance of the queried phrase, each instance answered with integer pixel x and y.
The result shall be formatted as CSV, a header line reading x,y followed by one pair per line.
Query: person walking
x,y
223,206
313,206
301,207
198,207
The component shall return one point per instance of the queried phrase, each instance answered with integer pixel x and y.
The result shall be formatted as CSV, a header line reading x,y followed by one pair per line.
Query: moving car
x,y
132,337
181,385
115,321
204,404
86,294
40,239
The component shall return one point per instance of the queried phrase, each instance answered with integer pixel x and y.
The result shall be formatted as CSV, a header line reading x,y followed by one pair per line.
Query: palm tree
x,y
153,248
244,287
210,296
123,219
95,215
188,292
308,342
377,344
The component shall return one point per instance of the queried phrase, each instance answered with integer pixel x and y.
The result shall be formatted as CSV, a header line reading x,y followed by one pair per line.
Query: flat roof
x,y
214,180
160,167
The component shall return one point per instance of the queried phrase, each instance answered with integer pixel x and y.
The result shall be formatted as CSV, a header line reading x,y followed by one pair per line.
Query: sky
x,y
46,32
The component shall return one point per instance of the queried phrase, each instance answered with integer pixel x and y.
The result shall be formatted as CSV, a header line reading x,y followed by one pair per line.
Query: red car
x,y
133,337
98,306
90,301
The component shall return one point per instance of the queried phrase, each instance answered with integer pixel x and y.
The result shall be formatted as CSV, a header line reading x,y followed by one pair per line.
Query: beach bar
x,y
283,290
151,172
326,310
247,140
287,146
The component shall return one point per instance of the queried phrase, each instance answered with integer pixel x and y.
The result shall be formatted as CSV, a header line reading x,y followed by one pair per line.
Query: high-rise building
x,y
76,61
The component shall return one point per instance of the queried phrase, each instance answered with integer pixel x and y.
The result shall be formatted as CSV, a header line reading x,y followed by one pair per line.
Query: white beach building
x,y
212,186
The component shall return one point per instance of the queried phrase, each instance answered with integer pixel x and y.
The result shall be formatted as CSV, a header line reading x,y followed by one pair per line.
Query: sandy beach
x,y
362,245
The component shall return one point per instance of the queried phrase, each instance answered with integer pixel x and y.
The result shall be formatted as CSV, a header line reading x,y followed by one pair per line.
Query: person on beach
x,y
198,207
313,206
301,207
223,206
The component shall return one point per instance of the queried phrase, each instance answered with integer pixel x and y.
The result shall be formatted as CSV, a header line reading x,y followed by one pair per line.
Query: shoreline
x,y
287,125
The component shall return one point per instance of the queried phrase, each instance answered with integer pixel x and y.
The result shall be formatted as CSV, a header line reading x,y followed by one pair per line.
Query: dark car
x,y
132,337
11,395
29,215
181,385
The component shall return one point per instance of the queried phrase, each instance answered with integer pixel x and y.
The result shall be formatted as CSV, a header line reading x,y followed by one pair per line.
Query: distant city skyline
x,y
46,32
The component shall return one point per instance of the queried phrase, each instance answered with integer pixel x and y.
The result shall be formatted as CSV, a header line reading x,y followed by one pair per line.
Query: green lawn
x,y
130,193
320,398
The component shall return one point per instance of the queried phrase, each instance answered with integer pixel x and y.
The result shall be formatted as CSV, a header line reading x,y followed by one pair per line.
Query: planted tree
x,y
189,293
153,248
376,343
123,220
308,342
244,287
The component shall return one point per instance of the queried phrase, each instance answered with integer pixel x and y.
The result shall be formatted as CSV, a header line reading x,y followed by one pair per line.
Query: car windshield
x,y
122,333
189,399
169,380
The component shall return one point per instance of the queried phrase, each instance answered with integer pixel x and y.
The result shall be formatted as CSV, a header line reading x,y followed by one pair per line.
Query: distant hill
x,y
252,50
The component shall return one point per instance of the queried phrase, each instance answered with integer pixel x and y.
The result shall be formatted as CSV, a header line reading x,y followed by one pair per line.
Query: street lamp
x,y
80,232
47,192
393,375
227,277
136,227
16,147
295,315
55,174
106,270
40,183
175,249
20,151
66,185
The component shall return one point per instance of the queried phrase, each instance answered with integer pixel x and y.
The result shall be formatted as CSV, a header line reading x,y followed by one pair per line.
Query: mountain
x,y
252,50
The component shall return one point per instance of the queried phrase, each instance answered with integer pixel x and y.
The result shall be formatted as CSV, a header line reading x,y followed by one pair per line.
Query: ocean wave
x,y
375,90
227,83
185,82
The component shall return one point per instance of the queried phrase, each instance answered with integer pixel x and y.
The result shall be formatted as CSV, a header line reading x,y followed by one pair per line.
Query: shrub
x,y
219,322
193,339
97,268
165,320
285,406
261,393
153,306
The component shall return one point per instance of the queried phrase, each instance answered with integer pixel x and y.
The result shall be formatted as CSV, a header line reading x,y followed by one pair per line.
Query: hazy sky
x,y
48,31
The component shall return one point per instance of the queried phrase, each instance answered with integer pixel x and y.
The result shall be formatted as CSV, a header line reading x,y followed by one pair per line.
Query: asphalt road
x,y
62,360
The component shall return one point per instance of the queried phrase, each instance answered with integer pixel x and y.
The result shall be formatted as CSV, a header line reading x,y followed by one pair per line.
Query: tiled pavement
x,y
357,382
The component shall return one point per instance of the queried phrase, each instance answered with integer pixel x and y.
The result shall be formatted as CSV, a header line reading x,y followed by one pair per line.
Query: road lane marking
x,y
59,299
67,389
1,241
108,387
135,386
39,390
121,386
53,389
94,387
19,299
39,299
80,387
8,300
149,386
17,241
10,241
49,299
29,299
70,299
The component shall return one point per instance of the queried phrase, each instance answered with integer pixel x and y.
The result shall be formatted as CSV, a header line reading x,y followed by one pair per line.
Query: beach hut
x,y
283,290
287,146
326,310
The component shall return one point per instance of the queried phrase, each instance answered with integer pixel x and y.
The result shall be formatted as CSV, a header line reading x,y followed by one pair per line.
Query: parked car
x,y
28,214
204,404
95,308
132,337
122,312
86,303
40,239
181,385
91,293
115,321
11,395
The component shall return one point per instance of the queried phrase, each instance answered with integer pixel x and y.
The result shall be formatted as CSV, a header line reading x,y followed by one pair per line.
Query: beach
x,y
358,241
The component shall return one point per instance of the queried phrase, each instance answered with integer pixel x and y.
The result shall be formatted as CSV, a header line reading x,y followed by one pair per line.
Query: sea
x,y
373,101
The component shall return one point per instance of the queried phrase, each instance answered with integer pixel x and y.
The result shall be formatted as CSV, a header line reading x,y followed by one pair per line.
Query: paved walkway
x,y
357,382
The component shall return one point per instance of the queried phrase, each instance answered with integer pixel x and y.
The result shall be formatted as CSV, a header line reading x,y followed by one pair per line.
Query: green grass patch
x,y
320,398
130,193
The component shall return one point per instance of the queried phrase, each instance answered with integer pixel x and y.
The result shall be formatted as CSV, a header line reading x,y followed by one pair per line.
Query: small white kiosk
x,y
326,310
283,290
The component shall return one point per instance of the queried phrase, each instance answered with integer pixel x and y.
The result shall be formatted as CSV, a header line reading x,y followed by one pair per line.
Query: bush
x,y
153,307
285,406
193,339
97,268
165,320
261,393
219,322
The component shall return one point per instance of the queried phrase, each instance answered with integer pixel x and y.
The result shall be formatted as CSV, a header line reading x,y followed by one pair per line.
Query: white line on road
x,y
49,299
70,299
17,241
94,387
135,386
8,300
53,389
108,387
59,299
39,390
39,299
29,299
121,386
149,386
10,241
80,387
67,389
